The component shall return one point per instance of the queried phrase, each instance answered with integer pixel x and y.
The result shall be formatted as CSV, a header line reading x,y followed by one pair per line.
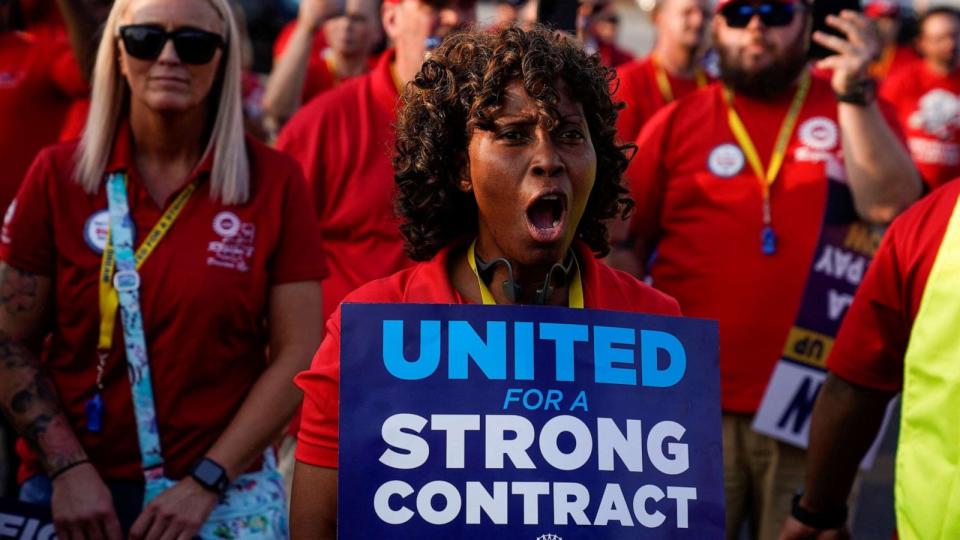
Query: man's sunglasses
x,y
193,46
771,13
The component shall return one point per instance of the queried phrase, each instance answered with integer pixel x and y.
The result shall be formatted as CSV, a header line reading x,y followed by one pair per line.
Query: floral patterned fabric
x,y
253,507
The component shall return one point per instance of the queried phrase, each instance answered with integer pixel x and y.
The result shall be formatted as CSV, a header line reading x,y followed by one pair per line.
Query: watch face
x,y
208,472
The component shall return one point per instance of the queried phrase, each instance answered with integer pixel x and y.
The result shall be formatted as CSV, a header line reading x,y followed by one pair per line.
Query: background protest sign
x,y
519,422
840,262
788,407
25,521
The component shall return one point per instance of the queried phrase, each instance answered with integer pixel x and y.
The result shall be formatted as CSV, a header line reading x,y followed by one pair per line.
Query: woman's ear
x,y
466,183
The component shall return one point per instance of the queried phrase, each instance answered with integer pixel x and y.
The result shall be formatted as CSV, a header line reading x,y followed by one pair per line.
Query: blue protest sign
x,y
524,422
22,521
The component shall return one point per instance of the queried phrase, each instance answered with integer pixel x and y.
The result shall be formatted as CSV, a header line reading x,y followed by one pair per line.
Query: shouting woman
x,y
507,167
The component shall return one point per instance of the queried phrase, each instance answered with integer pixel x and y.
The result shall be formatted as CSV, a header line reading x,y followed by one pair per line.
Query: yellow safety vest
x,y
927,490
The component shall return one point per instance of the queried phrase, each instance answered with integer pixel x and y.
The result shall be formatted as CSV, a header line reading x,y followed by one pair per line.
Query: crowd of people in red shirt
x,y
742,157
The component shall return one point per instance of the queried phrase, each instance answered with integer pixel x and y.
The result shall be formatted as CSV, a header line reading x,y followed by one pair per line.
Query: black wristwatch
x,y
209,474
832,519
863,93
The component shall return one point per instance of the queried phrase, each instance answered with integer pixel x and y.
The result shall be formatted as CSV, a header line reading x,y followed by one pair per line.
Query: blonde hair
x,y
230,177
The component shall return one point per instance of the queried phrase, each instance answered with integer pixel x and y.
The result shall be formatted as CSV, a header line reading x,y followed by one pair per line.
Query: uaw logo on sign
x,y
478,422
95,231
235,247
840,262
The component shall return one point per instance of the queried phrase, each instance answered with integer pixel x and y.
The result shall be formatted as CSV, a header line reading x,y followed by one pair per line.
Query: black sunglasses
x,y
739,14
193,46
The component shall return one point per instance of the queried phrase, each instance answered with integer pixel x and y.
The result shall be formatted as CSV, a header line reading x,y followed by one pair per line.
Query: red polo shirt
x,y
319,40
928,107
203,297
699,206
38,80
318,78
894,58
611,55
429,283
873,340
344,140
640,91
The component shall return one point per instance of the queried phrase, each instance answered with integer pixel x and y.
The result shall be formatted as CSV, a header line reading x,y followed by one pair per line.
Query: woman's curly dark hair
x,y
461,87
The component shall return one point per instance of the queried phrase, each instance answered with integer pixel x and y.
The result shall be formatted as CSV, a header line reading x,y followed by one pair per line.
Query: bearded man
x,y
741,187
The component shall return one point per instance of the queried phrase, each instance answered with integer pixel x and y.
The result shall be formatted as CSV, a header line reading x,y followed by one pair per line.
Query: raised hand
x,y
860,48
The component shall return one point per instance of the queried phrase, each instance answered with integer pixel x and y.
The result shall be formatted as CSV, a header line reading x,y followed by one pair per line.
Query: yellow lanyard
x,y
663,80
779,149
108,295
331,63
395,77
574,297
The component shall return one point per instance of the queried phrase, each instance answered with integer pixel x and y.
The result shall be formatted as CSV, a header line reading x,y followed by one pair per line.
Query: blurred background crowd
x,y
296,50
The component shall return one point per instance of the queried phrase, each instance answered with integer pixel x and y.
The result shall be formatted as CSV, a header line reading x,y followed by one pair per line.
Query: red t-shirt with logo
x,y
640,91
873,340
204,297
429,283
344,140
928,107
39,79
699,207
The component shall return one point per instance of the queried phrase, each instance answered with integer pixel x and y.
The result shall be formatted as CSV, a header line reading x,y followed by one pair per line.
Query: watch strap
x,y
863,93
823,520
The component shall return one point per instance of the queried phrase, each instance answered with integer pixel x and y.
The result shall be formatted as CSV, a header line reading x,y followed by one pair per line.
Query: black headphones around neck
x,y
560,273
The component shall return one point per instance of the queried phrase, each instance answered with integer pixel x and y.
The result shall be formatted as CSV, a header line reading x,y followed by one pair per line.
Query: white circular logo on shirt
x,y
937,114
7,219
11,210
226,224
819,133
95,230
726,160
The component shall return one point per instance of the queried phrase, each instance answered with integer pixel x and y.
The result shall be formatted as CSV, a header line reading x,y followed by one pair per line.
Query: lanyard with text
x,y
663,80
768,237
109,300
574,296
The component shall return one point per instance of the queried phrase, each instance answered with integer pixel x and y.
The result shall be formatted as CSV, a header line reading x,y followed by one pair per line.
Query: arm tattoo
x,y
27,397
18,290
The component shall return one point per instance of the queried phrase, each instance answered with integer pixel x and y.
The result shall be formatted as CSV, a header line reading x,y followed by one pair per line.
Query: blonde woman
x,y
161,256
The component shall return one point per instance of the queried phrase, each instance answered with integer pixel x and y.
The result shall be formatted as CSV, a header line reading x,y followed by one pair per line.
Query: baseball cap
x,y
881,8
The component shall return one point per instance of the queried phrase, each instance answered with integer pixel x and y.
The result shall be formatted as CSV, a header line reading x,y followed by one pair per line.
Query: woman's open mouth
x,y
546,216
